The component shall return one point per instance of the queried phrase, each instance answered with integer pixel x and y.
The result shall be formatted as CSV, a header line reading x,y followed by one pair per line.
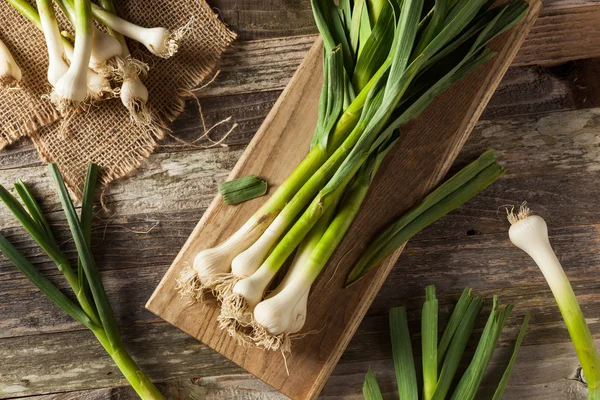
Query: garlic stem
x,y
530,234
57,67
248,262
104,46
159,41
10,73
98,86
71,88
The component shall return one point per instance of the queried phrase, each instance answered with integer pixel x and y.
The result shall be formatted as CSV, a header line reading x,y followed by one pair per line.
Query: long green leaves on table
x,y
445,357
96,313
453,193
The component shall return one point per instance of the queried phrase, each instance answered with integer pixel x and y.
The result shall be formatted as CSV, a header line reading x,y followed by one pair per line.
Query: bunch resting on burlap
x,y
94,62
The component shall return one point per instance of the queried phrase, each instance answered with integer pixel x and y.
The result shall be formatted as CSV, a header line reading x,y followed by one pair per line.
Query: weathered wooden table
x,y
543,122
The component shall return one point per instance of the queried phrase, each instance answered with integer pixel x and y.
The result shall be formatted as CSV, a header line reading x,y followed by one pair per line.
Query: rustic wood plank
x,y
258,19
273,154
543,150
544,371
559,35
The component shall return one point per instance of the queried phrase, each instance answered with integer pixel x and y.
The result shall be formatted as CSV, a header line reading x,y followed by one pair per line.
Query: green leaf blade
x,y
34,208
456,191
87,214
457,348
456,317
471,379
371,390
429,337
42,283
103,306
513,359
402,354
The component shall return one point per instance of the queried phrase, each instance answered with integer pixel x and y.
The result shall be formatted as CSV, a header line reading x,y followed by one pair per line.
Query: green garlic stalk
x,y
530,234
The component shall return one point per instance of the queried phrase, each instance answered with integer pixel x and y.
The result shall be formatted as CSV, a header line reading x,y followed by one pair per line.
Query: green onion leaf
x,y
357,10
453,193
34,229
87,213
455,319
105,311
371,389
404,363
374,51
471,379
457,348
513,359
34,209
42,283
243,189
429,336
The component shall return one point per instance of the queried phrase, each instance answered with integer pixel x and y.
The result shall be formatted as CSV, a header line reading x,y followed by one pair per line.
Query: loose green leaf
x,y
371,389
87,214
404,364
243,189
33,228
42,283
429,333
455,318
466,184
471,379
34,209
105,311
513,359
457,348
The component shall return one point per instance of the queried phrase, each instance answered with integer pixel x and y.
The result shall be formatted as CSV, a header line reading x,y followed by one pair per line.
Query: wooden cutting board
x,y
425,151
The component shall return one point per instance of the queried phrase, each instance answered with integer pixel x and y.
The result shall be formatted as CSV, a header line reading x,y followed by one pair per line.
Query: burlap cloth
x,y
104,134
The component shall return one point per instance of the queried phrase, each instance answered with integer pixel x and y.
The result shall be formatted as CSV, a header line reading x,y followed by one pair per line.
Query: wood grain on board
x,y
419,161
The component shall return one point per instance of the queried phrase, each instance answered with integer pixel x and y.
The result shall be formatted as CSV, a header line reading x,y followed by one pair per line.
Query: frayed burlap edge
x,y
39,119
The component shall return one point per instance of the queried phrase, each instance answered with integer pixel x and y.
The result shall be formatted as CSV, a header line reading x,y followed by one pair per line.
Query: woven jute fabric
x,y
104,133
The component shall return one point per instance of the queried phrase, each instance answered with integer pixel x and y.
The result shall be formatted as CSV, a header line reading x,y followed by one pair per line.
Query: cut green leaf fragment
x,y
513,359
429,337
404,364
459,331
371,390
455,318
471,379
243,189
457,349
